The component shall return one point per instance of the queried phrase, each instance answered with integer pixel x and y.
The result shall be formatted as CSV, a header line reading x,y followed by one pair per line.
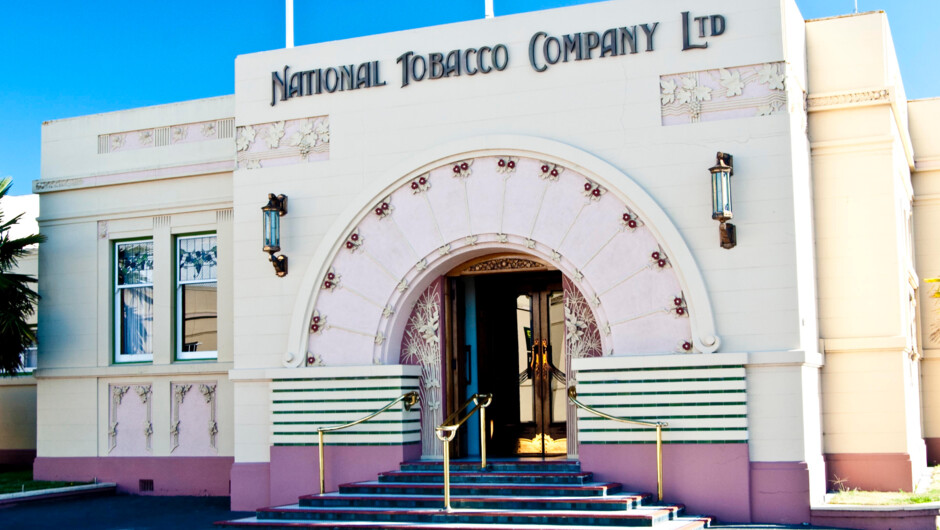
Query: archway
x,y
569,209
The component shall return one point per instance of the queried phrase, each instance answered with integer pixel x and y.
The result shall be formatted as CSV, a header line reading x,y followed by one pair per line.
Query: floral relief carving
x,y
317,323
723,93
506,165
208,129
332,280
444,250
179,395
731,80
658,259
593,191
462,169
630,221
314,360
252,164
420,184
422,265
246,136
388,311
550,172
421,345
274,134
179,133
505,264
384,208
679,308
354,241
209,394
769,76
117,396
471,240
145,137
117,141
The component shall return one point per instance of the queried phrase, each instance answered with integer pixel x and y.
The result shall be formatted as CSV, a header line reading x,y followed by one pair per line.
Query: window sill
x,y
138,369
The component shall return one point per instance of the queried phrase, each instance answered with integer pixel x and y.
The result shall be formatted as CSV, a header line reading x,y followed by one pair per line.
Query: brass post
x,y
320,447
483,438
659,460
447,475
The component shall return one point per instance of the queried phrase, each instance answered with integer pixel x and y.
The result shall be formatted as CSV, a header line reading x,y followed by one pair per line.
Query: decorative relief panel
x,y
130,420
283,142
161,136
421,346
537,215
722,94
193,426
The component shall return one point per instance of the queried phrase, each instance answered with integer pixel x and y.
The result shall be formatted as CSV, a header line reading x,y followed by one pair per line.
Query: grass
x,y
18,481
889,498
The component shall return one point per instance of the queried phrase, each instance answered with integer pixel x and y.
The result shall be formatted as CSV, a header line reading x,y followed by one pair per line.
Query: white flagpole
x,y
489,9
290,23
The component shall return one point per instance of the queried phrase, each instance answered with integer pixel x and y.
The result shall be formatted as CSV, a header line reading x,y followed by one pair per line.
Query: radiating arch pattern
x,y
637,274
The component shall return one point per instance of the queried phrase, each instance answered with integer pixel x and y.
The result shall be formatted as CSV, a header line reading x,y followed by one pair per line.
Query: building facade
x,y
514,205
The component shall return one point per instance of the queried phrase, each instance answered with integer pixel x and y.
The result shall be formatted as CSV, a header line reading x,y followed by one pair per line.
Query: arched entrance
x,y
597,228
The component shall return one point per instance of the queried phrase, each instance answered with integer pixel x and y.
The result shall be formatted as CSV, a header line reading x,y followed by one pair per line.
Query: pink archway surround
x,y
643,285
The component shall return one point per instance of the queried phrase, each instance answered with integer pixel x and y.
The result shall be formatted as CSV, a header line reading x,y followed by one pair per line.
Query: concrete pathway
x,y
129,512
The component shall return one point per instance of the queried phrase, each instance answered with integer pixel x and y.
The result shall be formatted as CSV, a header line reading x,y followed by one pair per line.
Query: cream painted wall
x,y
862,195
89,201
18,413
924,116
609,108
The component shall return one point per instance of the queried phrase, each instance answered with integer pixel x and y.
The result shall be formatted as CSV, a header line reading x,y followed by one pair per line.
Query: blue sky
x,y
68,58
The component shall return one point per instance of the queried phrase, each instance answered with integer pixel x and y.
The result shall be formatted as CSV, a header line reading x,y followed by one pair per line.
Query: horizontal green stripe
x,y
353,378
689,417
671,442
686,380
334,423
667,429
646,405
357,400
661,368
289,401
414,411
663,392
287,444
344,433
402,389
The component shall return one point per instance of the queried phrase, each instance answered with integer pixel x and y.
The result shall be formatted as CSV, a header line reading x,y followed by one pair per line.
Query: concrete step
x,y
470,464
637,517
589,489
681,523
624,501
490,477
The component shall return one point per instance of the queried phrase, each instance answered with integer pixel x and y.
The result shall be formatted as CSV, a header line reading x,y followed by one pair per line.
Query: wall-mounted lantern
x,y
272,212
721,198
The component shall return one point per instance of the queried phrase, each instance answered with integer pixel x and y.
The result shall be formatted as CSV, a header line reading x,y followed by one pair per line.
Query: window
x,y
197,321
133,304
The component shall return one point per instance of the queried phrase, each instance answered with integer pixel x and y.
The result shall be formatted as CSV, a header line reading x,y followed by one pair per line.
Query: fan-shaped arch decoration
x,y
630,273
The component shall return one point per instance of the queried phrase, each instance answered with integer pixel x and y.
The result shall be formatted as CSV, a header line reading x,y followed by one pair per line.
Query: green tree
x,y
17,298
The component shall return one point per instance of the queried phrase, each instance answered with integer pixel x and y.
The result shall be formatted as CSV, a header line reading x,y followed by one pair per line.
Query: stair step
x,y
613,502
589,489
681,523
458,477
495,465
646,516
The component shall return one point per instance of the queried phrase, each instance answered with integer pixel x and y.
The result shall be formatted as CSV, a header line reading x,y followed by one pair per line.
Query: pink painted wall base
x,y
780,492
251,486
710,479
933,451
870,471
294,471
170,475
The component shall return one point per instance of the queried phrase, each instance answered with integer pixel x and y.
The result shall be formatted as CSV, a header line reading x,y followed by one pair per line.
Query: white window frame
x,y
189,355
120,358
